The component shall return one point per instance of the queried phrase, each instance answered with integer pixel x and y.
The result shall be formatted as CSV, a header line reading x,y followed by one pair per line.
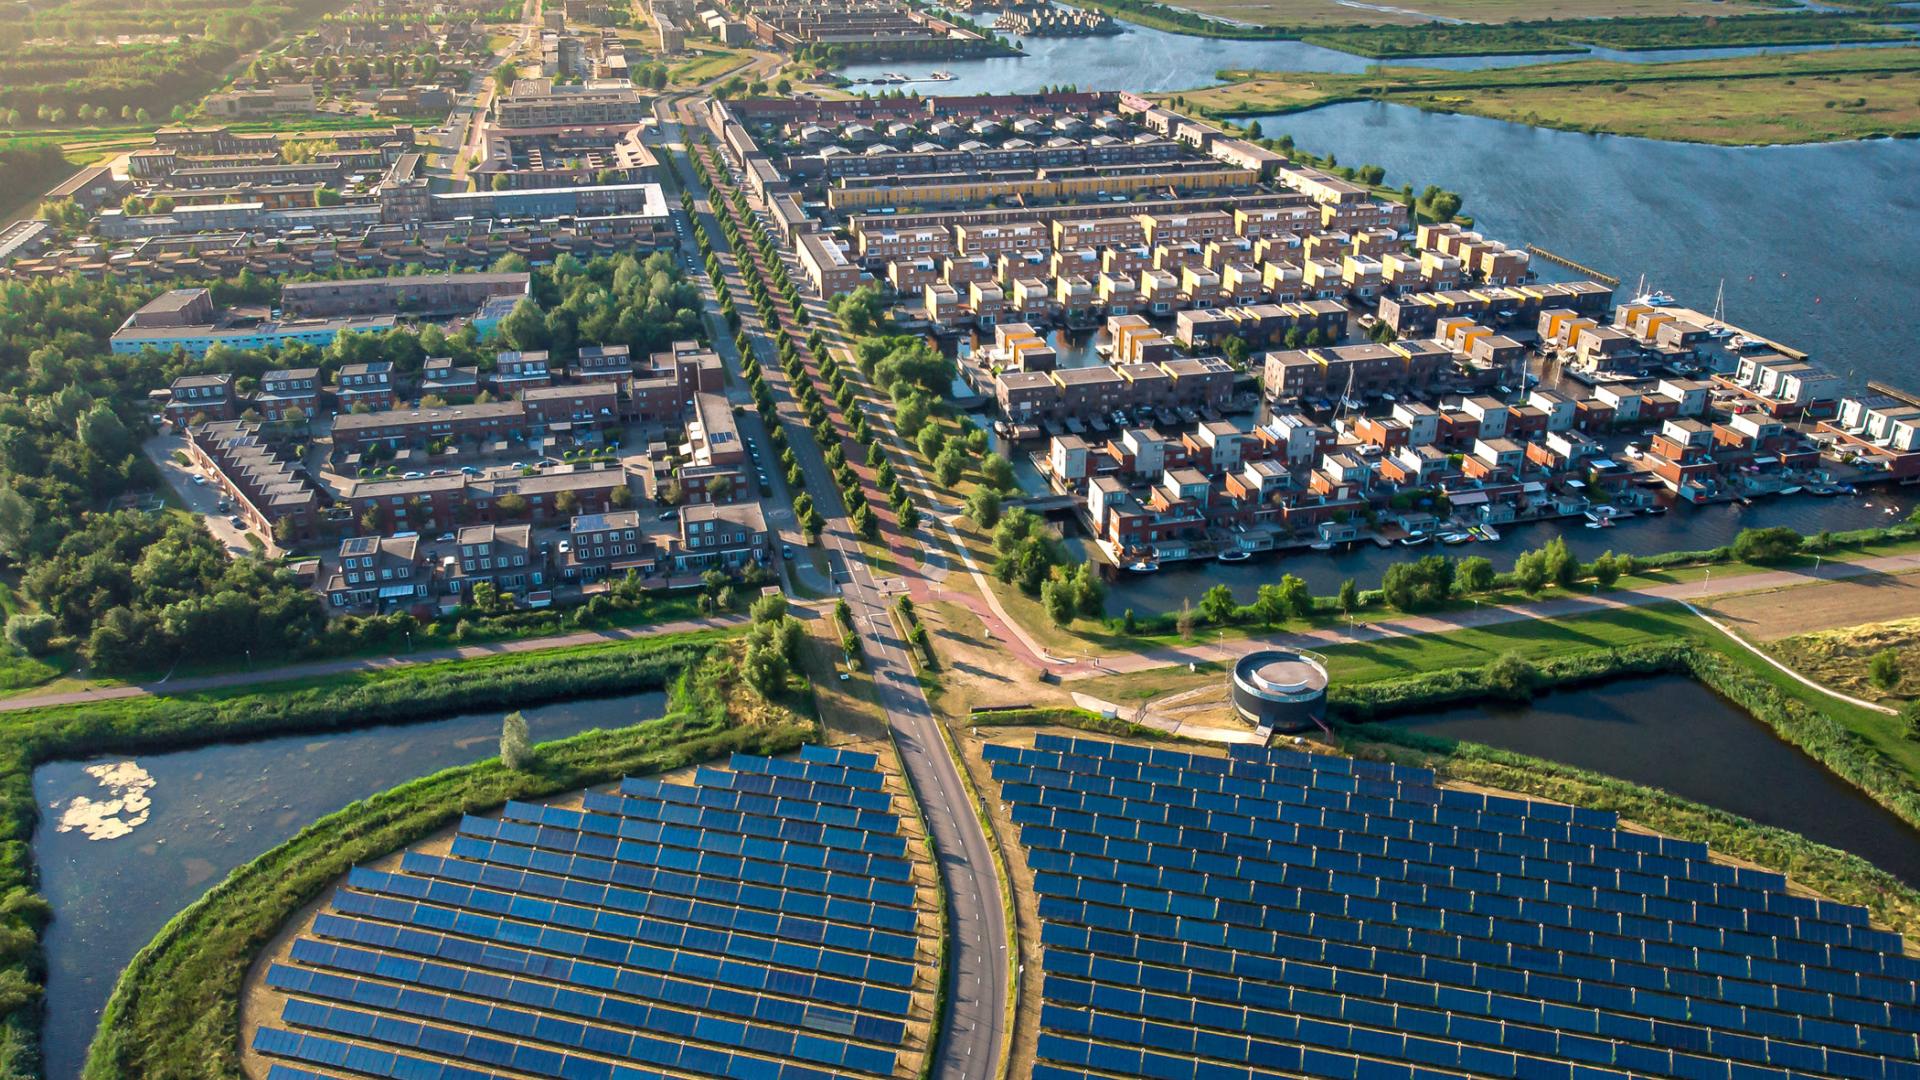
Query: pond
x,y
125,843
1674,734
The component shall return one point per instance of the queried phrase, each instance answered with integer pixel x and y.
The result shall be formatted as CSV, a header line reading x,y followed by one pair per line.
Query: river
x,y
1148,60
1673,734
206,811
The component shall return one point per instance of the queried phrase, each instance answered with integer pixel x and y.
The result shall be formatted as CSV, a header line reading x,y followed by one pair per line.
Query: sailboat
x,y
1717,326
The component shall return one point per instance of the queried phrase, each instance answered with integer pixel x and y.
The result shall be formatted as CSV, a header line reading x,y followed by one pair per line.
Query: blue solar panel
x,y
1364,922
760,925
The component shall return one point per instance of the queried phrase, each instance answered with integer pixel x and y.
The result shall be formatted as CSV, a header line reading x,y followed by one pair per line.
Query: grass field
x,y
1842,658
1809,97
1412,12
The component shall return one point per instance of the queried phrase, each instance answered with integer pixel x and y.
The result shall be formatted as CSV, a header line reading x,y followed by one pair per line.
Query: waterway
x,y
125,843
1815,243
1673,734
1148,60
1685,528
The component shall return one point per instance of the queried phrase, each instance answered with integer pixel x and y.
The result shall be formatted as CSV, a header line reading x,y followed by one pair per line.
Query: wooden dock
x,y
1539,252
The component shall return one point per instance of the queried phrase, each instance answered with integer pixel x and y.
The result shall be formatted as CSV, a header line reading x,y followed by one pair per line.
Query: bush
x,y
1884,668
32,633
1765,545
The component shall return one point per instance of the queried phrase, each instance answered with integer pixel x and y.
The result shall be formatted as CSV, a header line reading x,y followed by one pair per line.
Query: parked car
x,y
237,522
786,551
444,538
200,480
415,475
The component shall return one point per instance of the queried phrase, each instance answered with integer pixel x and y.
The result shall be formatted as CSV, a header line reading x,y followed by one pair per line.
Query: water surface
x,y
1674,734
173,824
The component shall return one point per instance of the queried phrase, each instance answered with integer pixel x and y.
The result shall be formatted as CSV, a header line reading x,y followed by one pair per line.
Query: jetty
x,y
1539,252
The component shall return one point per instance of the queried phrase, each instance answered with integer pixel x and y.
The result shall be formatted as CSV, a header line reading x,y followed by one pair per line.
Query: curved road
x,y
974,1030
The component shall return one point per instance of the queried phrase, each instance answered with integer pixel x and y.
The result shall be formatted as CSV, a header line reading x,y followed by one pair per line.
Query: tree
x,y
1884,670
1056,596
1349,596
912,415
769,608
1419,585
1606,569
997,472
1269,604
568,502
720,488
1562,568
932,440
1765,545
1512,676
516,746
1184,621
17,518
983,506
525,328
1530,571
948,467
1474,575
1217,605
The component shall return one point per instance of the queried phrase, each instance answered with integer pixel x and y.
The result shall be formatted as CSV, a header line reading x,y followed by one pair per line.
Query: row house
x,y
444,379
1394,367
713,452
720,536
604,363
1784,386
364,387
602,545
288,393
498,555
201,398
264,487
515,372
378,573
1883,430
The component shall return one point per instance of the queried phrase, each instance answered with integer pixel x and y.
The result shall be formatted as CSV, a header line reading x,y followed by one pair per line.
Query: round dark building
x,y
1280,690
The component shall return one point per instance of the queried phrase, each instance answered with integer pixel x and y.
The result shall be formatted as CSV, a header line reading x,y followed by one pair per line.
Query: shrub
x,y
1765,545
32,632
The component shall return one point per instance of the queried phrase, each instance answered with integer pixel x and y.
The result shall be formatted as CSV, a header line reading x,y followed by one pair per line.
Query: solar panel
x,y
763,923
1367,923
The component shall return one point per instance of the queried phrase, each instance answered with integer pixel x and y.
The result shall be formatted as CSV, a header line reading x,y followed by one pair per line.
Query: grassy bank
x,y
1765,99
176,1009
1844,659
136,725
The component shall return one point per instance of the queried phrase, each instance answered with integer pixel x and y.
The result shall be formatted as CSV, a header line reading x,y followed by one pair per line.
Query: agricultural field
x,y
1837,605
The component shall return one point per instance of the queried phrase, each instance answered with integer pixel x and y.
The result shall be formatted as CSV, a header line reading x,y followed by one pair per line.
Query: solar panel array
x,y
1272,913
760,923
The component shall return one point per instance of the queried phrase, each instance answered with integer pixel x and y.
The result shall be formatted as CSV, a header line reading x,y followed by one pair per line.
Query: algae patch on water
x,y
125,808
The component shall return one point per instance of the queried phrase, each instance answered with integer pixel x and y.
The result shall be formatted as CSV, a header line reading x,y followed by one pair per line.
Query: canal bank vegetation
x,y
1747,100
176,1009
360,699
1877,661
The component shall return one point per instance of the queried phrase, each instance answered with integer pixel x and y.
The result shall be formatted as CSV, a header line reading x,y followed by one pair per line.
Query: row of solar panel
x,y
873,821
669,935
1200,766
621,1023
1207,1070
1483,830
291,1072
732,867
593,912
1674,992
1811,915
1236,755
654,892
373,1061
1468,1015
1280,907
1392,952
883,1000
787,788
827,755
499,973
725,890
1205,772
1398,827
813,771
1249,901
327,1048
602,835
1370,849
749,824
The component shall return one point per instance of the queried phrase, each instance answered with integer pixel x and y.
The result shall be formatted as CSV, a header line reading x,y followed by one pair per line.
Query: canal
x,y
1673,734
1685,528
125,843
